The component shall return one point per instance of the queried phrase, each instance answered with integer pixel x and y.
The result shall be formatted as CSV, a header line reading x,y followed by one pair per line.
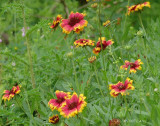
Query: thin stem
x,y
100,34
95,68
145,50
75,74
28,50
140,19
125,26
0,70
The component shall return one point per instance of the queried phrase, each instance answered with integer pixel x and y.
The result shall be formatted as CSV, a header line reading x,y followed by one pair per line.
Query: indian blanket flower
x,y
9,94
133,66
56,22
75,23
114,122
54,119
121,88
92,59
107,23
138,7
73,105
57,103
83,42
105,43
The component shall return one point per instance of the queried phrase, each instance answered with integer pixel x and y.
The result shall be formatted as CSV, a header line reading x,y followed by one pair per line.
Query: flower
x,y
57,103
54,119
138,7
121,88
105,43
92,59
56,22
73,105
84,42
10,94
0,40
107,23
23,31
114,122
133,66
94,5
75,22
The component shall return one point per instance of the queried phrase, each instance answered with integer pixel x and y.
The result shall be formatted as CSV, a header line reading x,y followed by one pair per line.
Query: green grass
x,y
57,66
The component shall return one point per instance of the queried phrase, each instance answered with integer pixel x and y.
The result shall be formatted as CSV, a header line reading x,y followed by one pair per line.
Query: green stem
x,y
0,70
75,74
28,50
100,34
145,50
95,68
124,27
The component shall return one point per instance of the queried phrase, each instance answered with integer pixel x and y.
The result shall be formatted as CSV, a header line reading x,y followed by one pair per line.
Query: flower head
x,y
75,22
133,66
107,23
138,7
73,105
9,94
84,42
56,22
92,59
54,119
114,122
57,103
105,43
121,88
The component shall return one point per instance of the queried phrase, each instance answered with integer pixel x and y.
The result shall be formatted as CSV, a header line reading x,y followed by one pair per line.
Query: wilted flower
x,y
8,94
13,64
75,22
138,7
54,119
56,22
121,88
105,43
92,59
83,42
114,122
57,103
133,66
73,105
107,23
94,5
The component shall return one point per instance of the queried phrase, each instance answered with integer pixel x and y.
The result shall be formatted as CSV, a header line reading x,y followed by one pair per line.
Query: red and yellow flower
x,y
54,119
105,43
83,42
9,94
57,103
121,88
73,105
56,22
75,22
133,66
138,7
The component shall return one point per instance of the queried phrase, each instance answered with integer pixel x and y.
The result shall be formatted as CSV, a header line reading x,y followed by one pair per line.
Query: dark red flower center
x,y
121,87
133,65
73,21
72,105
60,100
